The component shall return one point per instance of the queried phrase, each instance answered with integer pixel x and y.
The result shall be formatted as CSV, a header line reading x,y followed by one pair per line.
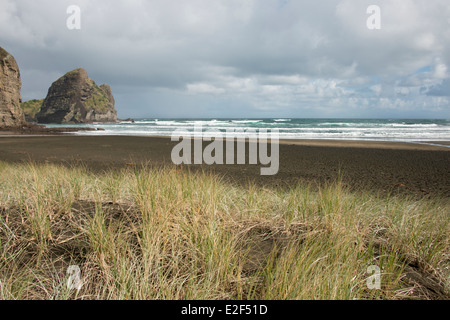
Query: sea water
x,y
289,128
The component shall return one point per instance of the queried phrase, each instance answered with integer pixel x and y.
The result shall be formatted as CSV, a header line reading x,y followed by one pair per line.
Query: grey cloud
x,y
295,54
441,90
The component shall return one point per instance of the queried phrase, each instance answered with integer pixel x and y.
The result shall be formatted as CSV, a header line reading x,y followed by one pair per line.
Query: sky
x,y
241,58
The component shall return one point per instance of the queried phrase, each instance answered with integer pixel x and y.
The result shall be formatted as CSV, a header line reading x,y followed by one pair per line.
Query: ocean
x,y
289,128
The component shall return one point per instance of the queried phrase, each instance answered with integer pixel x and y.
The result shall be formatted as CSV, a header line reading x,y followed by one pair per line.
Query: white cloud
x,y
202,88
440,71
376,88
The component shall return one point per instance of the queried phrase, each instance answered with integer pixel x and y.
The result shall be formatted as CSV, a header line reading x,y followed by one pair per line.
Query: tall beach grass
x,y
148,233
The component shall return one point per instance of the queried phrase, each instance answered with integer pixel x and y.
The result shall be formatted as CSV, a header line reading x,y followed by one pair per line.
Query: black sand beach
x,y
415,169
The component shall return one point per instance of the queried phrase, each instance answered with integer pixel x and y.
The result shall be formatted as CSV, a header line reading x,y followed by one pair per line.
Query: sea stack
x,y
11,114
75,98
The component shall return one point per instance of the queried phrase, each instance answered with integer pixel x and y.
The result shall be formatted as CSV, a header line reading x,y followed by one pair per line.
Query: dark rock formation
x,y
11,114
75,98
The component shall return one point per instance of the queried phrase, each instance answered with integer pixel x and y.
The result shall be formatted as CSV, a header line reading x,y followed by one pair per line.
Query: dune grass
x,y
143,233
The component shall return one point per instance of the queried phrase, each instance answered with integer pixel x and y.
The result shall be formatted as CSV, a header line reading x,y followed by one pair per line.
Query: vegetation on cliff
x,y
31,108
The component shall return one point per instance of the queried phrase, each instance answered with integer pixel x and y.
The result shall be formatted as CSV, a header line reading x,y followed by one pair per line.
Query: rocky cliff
x,y
11,114
75,98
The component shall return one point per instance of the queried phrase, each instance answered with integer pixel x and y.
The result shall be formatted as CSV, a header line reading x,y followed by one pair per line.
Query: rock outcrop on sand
x,y
75,98
11,114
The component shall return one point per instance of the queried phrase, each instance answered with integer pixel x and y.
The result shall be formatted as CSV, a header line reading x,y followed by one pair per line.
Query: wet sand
x,y
417,169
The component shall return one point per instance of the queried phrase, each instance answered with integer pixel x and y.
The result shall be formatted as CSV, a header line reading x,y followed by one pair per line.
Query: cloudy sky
x,y
241,58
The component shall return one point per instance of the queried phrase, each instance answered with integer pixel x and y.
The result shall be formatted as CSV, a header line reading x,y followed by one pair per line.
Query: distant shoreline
x,y
346,143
